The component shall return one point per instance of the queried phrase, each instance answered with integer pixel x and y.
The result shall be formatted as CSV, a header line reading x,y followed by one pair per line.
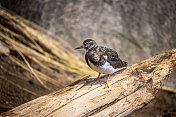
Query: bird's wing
x,y
95,58
113,58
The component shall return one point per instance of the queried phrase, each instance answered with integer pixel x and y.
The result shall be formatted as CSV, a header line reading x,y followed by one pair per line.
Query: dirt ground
x,y
17,85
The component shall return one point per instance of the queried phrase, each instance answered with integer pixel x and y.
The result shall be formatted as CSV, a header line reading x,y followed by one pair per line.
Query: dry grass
x,y
32,48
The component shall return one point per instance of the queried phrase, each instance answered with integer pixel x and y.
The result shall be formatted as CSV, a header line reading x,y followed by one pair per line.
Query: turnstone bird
x,y
101,59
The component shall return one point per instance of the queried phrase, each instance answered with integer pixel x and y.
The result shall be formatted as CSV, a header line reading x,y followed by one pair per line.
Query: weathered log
x,y
129,91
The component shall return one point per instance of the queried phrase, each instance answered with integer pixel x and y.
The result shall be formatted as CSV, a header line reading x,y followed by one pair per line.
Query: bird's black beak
x,y
79,47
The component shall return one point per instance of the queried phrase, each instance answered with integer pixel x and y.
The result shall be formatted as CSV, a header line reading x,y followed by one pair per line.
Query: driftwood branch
x,y
129,91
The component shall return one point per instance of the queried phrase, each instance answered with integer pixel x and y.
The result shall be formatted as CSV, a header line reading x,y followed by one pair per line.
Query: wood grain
x,y
129,91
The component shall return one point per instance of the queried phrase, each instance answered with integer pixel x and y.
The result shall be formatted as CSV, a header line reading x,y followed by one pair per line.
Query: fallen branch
x,y
129,91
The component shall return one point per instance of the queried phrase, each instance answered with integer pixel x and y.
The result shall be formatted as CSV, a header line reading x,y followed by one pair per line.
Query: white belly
x,y
104,69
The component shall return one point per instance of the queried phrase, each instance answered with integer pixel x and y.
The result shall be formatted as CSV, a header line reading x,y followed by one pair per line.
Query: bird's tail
x,y
125,63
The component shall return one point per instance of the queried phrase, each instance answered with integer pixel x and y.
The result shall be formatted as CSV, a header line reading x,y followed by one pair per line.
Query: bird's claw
x,y
106,84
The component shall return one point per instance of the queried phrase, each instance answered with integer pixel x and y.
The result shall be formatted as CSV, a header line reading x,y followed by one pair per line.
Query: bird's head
x,y
88,44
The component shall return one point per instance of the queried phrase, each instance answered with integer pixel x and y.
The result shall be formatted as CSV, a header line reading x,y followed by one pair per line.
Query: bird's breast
x,y
104,69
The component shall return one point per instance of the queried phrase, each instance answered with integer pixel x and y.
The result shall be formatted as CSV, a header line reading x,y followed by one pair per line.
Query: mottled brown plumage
x,y
96,56
101,59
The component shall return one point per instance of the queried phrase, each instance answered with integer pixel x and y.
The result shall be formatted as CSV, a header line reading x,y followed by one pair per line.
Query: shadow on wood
x,y
129,91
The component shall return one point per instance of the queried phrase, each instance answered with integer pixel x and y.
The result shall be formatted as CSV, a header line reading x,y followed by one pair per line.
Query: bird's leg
x,y
107,83
98,79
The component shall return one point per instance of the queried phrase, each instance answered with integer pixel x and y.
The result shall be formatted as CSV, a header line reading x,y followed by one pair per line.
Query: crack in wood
x,y
165,56
101,108
72,100
127,115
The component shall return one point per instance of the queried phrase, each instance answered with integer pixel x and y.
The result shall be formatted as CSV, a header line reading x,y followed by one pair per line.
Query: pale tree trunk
x,y
129,91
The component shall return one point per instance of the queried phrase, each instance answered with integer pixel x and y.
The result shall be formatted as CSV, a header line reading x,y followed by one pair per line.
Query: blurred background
x,y
136,29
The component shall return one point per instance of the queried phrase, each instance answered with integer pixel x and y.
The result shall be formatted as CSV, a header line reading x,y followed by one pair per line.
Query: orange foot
x,y
107,84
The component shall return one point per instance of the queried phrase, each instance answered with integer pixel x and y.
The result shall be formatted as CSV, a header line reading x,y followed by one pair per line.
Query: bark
x,y
129,91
